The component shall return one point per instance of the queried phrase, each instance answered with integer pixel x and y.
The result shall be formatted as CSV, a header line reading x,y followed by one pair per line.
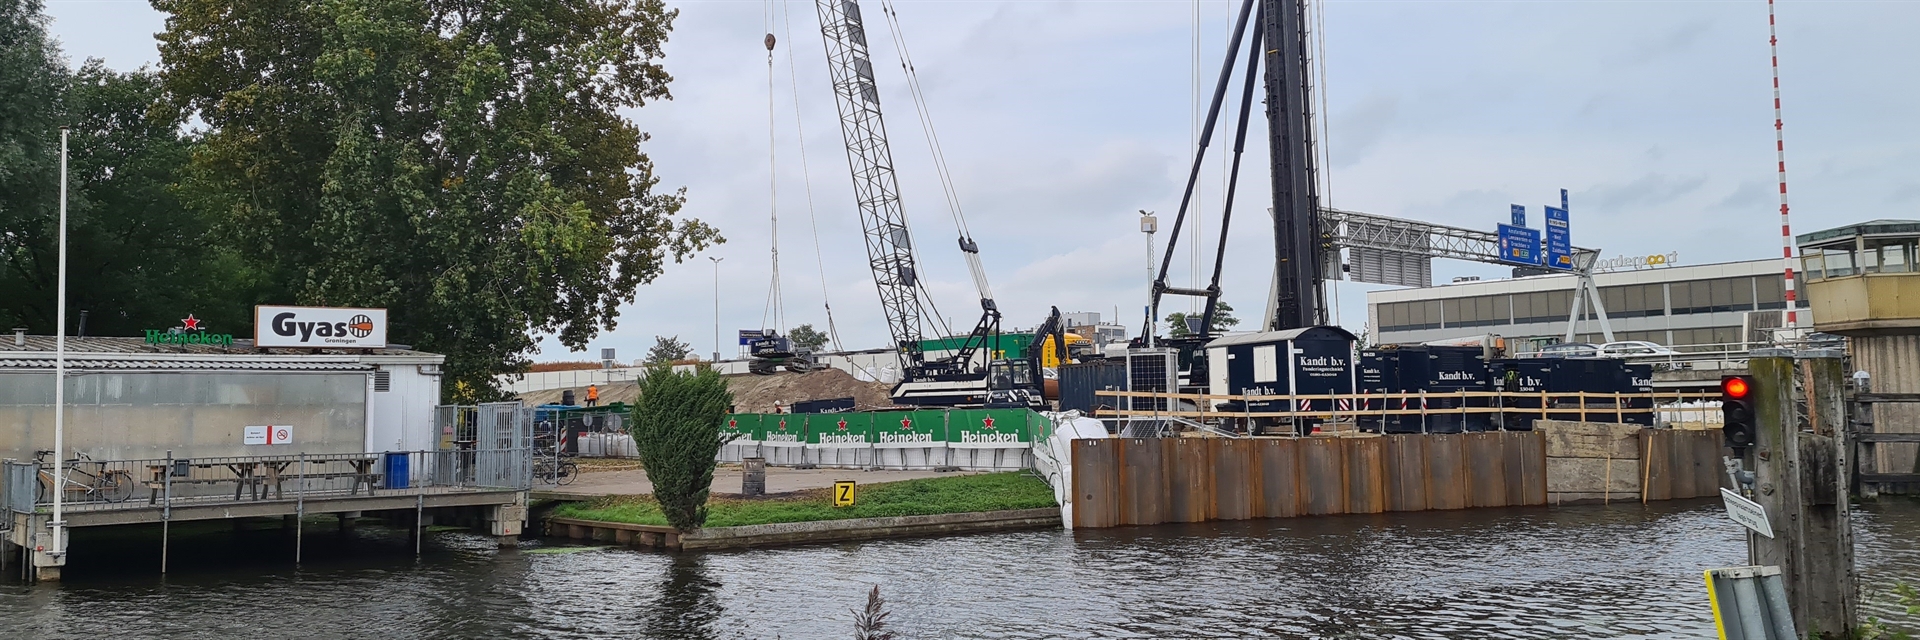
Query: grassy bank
x,y
929,496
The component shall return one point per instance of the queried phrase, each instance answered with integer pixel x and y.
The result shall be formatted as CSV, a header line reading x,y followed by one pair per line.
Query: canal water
x,y
1620,571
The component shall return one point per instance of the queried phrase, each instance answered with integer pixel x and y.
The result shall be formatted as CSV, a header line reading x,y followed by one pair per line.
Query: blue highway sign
x,y
1559,254
1520,245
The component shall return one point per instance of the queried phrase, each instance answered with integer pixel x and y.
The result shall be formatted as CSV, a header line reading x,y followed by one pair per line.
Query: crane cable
x,y
940,167
806,178
775,306
1319,39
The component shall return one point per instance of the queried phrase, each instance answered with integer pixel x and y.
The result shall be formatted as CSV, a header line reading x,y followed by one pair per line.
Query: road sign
x,y
843,491
1747,512
1559,239
1519,215
1519,245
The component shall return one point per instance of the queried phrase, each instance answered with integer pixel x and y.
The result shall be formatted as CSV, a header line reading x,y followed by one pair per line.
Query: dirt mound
x,y
751,393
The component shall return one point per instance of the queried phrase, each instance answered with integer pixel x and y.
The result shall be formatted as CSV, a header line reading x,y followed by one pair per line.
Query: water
x,y
1622,571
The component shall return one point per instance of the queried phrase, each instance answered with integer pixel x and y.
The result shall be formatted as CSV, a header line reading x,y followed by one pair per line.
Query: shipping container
x,y
1078,382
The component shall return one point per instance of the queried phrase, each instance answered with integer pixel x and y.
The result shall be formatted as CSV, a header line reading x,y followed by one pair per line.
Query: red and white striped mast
x,y
1780,149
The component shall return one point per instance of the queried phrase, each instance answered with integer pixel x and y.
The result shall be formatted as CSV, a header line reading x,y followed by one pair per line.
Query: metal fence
x,y
16,490
94,485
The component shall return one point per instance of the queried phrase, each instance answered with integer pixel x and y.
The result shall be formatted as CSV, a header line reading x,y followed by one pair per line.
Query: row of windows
x,y
1746,293
1679,337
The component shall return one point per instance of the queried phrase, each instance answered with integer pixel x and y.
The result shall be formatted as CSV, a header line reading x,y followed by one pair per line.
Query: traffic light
x,y
1736,407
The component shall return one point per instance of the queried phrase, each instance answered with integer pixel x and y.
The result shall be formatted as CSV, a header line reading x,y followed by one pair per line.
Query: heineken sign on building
x,y
189,332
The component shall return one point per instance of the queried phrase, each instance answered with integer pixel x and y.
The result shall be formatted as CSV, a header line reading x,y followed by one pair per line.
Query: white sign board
x,y
319,327
275,434
1747,512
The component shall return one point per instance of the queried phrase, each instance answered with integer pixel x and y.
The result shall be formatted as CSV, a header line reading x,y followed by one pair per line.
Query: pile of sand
x,y
752,393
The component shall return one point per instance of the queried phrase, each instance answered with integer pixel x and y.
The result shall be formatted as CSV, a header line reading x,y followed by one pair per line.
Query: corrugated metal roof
x,y
132,364
122,345
1276,336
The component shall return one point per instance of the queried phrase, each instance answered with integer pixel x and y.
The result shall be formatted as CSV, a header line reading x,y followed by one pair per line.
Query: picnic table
x,y
265,476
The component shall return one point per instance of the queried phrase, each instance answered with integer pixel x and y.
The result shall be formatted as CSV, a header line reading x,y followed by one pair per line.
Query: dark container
x,y
1078,382
1378,373
831,405
566,397
1442,372
1523,380
1309,361
394,470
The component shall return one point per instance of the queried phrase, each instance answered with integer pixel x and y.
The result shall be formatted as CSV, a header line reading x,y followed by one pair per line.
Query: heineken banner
x,y
745,427
910,429
782,430
989,428
840,430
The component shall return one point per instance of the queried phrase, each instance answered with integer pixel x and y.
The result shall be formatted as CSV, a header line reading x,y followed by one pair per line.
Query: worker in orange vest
x,y
593,395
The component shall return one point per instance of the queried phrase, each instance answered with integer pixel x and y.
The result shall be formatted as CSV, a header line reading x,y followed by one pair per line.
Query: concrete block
x,y
1590,475
1590,439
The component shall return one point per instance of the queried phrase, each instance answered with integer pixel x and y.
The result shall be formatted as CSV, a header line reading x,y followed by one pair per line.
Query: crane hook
x,y
769,42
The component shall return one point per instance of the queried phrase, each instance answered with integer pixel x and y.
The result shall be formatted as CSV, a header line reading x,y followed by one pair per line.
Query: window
x,y
1769,292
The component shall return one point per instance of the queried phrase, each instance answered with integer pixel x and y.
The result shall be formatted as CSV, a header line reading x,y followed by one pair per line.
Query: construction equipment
x,y
772,351
1023,382
957,379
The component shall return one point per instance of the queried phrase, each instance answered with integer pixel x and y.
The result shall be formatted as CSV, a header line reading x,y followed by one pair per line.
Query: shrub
x,y
676,425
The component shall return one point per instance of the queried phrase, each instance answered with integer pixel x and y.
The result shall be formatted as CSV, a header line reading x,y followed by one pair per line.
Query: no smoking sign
x,y
273,434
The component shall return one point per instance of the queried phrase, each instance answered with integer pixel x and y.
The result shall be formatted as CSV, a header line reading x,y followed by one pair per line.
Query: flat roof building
x,y
1727,303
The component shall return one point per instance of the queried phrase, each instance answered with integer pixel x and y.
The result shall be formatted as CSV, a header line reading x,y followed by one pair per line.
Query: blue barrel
x,y
394,470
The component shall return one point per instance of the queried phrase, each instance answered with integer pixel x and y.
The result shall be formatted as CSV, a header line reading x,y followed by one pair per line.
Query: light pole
x,y
59,489
716,308
1148,225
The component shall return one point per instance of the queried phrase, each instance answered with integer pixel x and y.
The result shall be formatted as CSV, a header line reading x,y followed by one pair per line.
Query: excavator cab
x,y
1010,385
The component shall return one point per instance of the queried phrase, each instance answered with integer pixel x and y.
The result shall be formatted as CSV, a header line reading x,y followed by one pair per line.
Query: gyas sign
x,y
318,327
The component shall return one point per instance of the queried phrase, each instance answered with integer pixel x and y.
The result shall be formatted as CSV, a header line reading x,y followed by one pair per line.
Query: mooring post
x,y
1826,466
1865,457
1799,479
419,516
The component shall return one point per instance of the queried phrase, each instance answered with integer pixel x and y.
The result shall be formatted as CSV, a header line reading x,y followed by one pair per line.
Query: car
x,y
1569,350
1630,348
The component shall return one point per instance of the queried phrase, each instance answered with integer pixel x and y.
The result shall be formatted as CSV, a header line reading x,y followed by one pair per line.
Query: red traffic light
x,y
1735,386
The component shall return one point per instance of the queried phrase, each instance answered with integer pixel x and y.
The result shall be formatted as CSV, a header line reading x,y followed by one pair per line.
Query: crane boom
x,y
876,189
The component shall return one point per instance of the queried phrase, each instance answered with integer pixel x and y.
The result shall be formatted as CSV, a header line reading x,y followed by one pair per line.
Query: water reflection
x,y
1620,571
688,605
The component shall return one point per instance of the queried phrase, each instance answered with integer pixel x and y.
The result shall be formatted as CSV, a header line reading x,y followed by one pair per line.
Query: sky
x,y
1059,121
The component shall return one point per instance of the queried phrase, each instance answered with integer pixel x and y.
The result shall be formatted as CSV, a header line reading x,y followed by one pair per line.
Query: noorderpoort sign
x,y
319,327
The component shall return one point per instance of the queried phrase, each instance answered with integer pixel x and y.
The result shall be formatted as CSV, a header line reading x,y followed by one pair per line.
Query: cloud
x,y
1647,191
1357,129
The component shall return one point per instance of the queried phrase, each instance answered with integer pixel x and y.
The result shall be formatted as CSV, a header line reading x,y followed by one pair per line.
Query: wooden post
x,y
1800,480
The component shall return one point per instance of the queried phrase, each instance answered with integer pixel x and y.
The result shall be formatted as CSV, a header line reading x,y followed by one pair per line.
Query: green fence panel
x,y
909,429
783,427
987,427
841,429
746,425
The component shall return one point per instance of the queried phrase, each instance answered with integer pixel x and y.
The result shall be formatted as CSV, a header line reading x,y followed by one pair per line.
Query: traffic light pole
x,y
1800,476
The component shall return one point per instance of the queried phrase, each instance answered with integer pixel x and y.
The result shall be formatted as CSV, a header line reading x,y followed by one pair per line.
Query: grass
x,y
928,496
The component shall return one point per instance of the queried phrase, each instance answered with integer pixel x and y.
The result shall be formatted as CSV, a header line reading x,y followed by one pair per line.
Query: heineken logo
x,y
987,422
905,438
969,436
844,438
783,424
189,332
782,437
906,424
733,424
843,424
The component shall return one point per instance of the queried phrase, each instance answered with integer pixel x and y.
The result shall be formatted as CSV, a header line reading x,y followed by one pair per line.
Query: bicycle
x,y
561,472
101,484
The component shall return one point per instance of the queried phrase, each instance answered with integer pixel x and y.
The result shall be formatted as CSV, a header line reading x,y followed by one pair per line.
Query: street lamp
x,y
59,522
1149,225
716,308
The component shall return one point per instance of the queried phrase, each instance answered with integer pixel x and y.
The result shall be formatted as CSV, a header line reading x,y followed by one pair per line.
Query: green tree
x,y
677,427
667,349
1222,320
138,258
806,338
463,164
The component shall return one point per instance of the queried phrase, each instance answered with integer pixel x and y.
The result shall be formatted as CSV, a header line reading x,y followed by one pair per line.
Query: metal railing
x,y
93,485
1493,410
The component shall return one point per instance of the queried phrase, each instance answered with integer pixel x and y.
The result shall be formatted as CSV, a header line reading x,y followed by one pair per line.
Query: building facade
x,y
1699,306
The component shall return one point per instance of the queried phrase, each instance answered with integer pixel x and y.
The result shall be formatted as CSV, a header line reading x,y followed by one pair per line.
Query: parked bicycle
x,y
88,478
558,471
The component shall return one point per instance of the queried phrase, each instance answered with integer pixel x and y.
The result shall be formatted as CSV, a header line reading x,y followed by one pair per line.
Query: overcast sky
x,y
1061,119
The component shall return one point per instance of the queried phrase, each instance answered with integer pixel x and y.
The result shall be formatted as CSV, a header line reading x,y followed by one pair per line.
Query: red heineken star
x,y
190,323
987,422
906,424
843,424
783,424
733,424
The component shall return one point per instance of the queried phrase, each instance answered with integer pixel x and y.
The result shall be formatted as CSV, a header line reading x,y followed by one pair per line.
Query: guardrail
x,y
90,485
1677,408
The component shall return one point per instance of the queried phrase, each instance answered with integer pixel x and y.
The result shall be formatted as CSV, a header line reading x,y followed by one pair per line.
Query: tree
x,y
463,164
667,349
677,427
1222,320
138,257
806,338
